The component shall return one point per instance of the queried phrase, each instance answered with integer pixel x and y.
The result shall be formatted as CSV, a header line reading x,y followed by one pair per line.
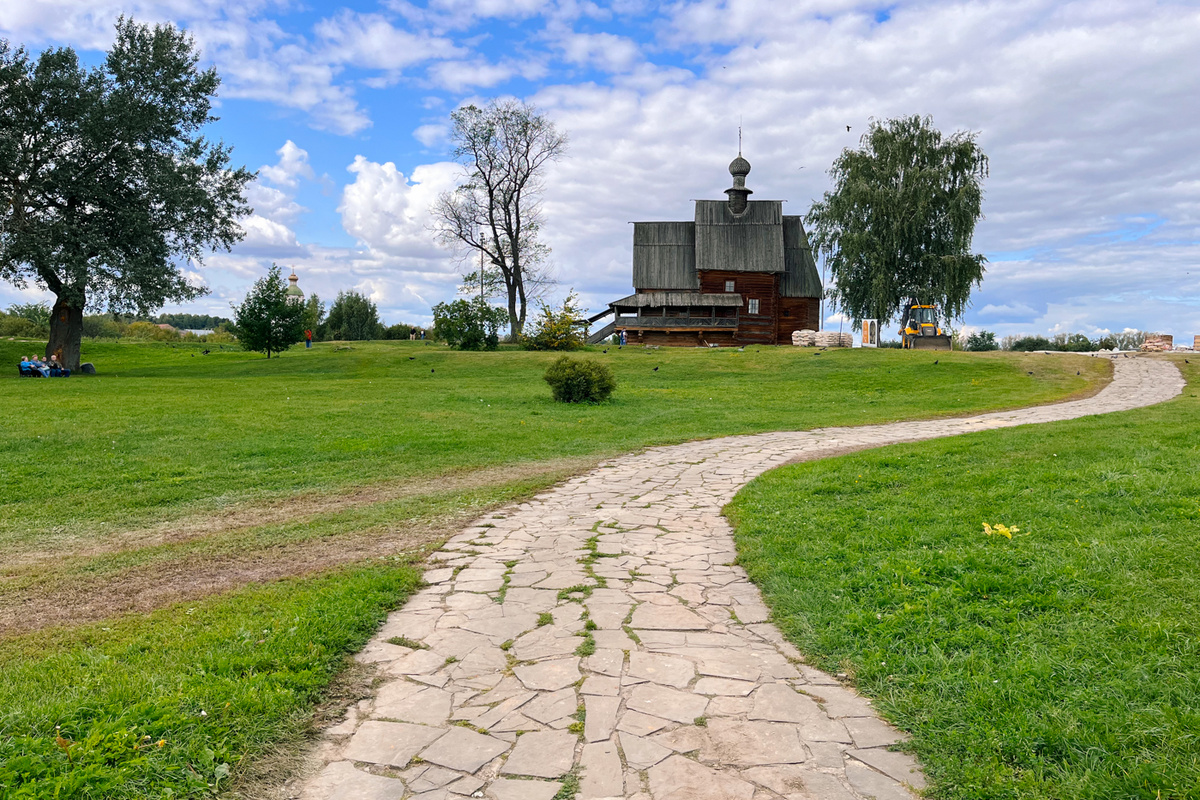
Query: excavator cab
x,y
921,330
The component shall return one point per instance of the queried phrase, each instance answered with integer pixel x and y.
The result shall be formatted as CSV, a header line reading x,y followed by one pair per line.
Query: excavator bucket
x,y
929,342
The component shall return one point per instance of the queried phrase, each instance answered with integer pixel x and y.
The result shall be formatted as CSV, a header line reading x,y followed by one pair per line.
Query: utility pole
x,y
480,238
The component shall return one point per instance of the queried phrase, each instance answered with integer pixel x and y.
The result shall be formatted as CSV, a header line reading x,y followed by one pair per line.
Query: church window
x,y
729,286
754,306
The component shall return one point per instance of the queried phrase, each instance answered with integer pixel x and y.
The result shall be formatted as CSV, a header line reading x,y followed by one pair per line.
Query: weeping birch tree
x,y
897,227
504,149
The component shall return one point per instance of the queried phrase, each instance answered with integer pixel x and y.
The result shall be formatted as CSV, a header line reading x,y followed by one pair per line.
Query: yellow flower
x,y
1002,530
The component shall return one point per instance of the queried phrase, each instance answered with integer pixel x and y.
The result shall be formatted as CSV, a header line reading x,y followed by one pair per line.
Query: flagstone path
x,y
600,633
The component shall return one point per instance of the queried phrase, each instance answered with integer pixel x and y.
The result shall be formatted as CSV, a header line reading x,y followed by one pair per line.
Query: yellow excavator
x,y
920,329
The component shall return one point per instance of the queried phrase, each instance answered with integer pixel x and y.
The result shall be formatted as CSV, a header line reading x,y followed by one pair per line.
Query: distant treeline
x,y
1062,342
196,322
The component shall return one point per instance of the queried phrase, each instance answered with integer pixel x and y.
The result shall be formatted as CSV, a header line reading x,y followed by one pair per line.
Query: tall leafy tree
x,y
314,313
37,313
267,321
107,184
898,224
505,149
353,317
468,324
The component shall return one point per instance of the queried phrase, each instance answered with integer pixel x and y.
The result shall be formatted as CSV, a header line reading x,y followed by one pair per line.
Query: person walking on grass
x,y
308,340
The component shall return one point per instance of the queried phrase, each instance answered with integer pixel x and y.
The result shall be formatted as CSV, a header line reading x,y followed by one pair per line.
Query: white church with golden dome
x,y
294,294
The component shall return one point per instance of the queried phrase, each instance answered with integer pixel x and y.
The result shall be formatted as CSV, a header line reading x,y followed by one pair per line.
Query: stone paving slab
x,y
664,679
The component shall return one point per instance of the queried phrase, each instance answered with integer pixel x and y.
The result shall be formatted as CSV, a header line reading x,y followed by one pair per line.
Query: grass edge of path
x,y
855,573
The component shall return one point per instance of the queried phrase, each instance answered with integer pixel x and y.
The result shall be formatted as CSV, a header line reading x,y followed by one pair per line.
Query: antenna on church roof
x,y
739,136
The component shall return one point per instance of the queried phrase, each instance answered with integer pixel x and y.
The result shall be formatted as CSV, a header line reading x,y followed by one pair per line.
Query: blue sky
x,y
1087,110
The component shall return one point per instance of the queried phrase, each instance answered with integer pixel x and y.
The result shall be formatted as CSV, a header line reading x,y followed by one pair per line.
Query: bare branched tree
x,y
504,149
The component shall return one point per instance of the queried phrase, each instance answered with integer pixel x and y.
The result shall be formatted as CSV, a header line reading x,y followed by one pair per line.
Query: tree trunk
x,y
514,320
66,332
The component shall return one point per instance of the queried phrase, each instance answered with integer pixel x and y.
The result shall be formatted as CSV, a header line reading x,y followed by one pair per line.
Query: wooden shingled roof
x,y
800,277
664,256
749,242
668,256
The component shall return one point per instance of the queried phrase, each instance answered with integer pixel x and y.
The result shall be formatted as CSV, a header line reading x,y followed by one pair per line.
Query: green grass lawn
x,y
175,703
170,466
1063,663
162,431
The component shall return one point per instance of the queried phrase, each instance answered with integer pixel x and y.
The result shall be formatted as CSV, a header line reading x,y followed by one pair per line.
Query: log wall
x,y
797,314
761,286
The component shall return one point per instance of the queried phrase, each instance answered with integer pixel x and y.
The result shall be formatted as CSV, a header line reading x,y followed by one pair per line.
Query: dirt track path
x,y
614,595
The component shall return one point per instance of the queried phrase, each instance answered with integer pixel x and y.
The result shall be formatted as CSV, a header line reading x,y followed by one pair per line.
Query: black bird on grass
x,y
207,351
656,369
412,358
606,349
1076,372
936,360
1029,373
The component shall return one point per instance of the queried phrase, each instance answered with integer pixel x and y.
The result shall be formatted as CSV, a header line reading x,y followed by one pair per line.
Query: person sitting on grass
x,y
29,367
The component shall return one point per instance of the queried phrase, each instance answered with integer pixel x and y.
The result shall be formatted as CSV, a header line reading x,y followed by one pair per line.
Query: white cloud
x,y
604,51
390,215
373,42
293,165
461,14
268,230
274,204
263,234
290,77
457,76
1013,311
430,135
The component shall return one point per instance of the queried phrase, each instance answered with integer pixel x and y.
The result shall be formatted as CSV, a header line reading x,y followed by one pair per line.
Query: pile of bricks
x,y
1158,343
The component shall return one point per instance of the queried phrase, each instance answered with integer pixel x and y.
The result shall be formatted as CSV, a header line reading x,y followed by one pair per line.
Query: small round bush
x,y
573,381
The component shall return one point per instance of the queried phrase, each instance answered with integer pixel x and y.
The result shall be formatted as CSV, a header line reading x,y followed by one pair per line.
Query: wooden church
x,y
740,273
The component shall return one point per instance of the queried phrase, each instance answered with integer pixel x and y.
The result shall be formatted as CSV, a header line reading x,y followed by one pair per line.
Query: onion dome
x,y
293,290
738,194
